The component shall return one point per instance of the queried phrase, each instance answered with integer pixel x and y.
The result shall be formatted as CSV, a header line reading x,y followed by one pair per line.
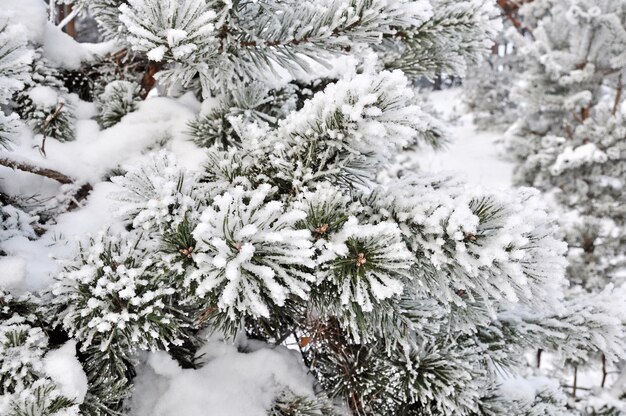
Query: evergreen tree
x,y
404,293
287,232
487,89
107,16
569,142
14,60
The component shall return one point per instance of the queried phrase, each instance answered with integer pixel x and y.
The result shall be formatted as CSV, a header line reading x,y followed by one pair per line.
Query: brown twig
x,y
52,116
48,173
584,114
149,81
575,384
618,95
66,10
46,124
82,193
509,9
539,352
603,371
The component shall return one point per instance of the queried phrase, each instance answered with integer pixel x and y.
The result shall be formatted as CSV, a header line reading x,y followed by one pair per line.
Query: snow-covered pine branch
x,y
282,220
15,58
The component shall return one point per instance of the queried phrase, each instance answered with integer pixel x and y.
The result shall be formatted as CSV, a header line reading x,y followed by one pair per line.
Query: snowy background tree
x,y
567,139
219,208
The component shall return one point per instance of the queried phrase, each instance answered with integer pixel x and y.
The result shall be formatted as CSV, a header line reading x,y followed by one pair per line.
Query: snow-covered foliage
x,y
25,346
222,42
118,99
44,104
478,241
367,263
487,87
575,53
257,250
254,102
114,297
106,13
25,386
15,222
319,264
570,136
333,135
15,59
569,142
157,194
249,254
47,112
454,37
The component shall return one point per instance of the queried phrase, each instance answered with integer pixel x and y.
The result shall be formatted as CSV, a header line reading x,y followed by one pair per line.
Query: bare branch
x,y
48,173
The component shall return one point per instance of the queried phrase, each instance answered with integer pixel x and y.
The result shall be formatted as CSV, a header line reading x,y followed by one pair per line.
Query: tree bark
x,y
82,193
618,95
48,173
603,371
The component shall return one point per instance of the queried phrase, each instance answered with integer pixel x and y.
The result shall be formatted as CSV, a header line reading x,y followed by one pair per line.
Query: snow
x,y
61,49
233,232
62,366
472,155
522,389
256,226
87,159
12,272
61,240
44,96
157,53
164,389
102,48
573,158
30,13
94,152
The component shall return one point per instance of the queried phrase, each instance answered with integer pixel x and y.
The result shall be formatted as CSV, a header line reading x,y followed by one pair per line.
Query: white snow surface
x,y
44,96
525,389
162,388
58,47
12,272
30,13
475,156
62,366
61,49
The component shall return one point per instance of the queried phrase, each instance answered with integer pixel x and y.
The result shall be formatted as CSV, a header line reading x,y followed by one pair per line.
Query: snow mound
x,y
62,366
165,389
13,272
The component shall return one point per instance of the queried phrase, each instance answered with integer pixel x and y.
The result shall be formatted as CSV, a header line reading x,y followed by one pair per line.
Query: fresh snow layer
x,y
44,96
231,383
526,389
62,366
94,153
61,49
12,272
61,240
58,47
30,13
472,155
